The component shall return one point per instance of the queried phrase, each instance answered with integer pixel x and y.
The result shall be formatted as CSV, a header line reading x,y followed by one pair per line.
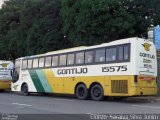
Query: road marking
x,y
21,104
144,106
64,99
89,113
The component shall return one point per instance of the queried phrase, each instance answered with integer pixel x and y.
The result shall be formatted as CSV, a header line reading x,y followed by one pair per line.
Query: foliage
x,y
96,21
30,27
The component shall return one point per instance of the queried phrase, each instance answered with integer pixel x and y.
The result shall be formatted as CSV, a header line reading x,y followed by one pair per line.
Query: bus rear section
x,y
145,79
140,78
6,68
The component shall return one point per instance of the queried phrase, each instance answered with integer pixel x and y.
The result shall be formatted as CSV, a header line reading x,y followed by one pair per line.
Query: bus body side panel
x,y
117,85
55,83
127,86
67,84
5,84
24,77
5,74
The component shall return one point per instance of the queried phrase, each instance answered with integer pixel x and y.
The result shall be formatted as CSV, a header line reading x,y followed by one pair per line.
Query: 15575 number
x,y
114,68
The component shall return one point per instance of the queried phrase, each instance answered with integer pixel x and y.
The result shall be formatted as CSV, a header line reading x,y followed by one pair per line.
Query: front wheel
x,y
97,92
24,89
1,90
81,92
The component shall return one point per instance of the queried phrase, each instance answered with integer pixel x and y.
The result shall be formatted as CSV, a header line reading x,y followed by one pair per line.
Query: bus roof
x,y
122,41
75,48
116,42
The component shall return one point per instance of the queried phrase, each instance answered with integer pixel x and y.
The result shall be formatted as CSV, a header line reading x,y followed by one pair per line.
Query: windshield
x,y
16,71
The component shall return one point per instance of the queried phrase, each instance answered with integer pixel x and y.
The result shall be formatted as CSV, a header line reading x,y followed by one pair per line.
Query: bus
x,y
122,68
6,68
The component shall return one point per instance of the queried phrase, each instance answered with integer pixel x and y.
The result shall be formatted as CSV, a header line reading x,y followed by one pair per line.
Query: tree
x,y
146,13
95,21
9,25
29,27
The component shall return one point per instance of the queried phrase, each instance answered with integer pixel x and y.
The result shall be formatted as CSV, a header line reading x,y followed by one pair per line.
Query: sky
x,y
1,2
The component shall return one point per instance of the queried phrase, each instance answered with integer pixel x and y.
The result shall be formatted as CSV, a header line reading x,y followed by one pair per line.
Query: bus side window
x,y
123,53
126,52
17,63
89,57
110,54
55,61
120,55
62,60
100,55
48,62
70,59
35,63
24,64
41,62
80,58
30,63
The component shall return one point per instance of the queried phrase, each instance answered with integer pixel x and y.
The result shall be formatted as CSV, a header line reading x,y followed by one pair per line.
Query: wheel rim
x,y
81,92
97,92
25,89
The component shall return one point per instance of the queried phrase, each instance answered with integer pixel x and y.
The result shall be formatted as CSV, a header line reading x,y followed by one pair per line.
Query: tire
x,y
24,89
81,92
1,90
97,92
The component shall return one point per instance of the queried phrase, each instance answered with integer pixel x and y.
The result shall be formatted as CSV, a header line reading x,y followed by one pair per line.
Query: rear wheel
x,y
24,89
81,92
97,92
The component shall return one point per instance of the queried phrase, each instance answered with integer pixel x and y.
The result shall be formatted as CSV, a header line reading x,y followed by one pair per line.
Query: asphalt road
x,y
15,103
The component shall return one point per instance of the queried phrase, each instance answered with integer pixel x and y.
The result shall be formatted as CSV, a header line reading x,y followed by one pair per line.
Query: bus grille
x,y
119,86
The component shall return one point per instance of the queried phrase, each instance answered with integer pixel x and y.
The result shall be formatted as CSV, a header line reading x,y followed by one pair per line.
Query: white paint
x,y
63,100
21,104
145,106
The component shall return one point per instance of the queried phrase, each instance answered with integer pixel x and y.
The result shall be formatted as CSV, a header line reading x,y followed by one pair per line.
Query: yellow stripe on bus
x,y
49,75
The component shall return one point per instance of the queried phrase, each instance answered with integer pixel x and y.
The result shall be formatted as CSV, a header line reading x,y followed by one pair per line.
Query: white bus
x,y
126,67
6,68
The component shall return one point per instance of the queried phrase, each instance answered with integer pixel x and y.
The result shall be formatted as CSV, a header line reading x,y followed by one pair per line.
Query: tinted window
x,y
70,60
29,63
120,51
17,63
55,61
100,55
35,63
110,54
48,62
80,58
126,52
24,65
62,60
89,57
123,53
41,62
